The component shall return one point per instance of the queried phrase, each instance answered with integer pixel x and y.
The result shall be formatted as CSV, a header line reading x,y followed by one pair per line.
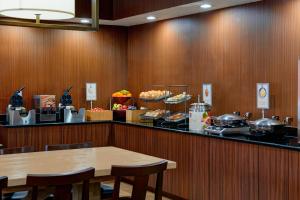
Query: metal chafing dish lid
x,y
230,117
266,122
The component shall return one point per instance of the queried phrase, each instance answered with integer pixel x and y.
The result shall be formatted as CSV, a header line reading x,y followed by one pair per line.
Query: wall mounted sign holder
x,y
93,26
263,97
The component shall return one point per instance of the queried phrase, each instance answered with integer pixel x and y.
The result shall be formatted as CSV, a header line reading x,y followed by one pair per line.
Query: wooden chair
x,y
26,149
106,191
62,183
141,177
68,146
22,194
3,184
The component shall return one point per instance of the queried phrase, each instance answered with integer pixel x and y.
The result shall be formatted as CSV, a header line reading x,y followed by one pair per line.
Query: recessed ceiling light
x,y
85,21
151,18
206,6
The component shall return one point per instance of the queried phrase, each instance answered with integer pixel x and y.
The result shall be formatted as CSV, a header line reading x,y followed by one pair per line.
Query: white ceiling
x,y
177,11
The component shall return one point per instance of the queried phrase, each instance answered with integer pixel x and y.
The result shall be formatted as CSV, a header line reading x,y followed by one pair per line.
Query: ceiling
x,y
107,8
177,11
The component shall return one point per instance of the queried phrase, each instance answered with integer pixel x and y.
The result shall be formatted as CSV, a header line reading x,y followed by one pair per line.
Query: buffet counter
x,y
209,166
290,142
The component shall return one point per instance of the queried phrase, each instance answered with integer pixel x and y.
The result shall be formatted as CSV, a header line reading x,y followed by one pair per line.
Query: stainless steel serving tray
x,y
187,98
185,116
143,117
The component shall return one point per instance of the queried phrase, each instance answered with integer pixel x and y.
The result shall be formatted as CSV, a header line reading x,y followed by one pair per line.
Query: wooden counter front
x,y
217,169
39,136
208,168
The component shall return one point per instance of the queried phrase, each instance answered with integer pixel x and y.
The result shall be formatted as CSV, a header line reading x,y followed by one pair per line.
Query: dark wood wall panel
x,y
83,9
233,170
233,49
48,61
199,176
274,174
98,134
207,168
168,146
125,8
190,179
217,169
35,136
294,176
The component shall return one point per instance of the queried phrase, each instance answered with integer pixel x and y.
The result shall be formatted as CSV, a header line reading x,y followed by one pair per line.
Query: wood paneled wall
x,y
48,61
232,48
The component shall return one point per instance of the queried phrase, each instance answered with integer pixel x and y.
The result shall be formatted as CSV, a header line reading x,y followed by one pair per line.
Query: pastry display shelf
x,y
179,89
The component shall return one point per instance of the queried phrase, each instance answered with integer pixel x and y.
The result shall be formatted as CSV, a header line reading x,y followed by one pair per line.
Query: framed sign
x,y
91,92
263,95
207,93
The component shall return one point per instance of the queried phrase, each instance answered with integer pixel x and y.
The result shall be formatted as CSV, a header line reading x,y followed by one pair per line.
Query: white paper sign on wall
x,y
263,95
91,92
207,93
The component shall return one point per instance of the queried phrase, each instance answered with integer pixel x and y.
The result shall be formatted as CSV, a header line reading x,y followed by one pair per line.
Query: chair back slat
x,y
3,184
26,149
62,182
141,177
56,147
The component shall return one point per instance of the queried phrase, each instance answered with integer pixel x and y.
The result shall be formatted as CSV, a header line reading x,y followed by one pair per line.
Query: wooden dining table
x,y
17,166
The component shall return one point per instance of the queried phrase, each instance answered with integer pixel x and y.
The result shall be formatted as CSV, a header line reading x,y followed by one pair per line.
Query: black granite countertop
x,y
288,142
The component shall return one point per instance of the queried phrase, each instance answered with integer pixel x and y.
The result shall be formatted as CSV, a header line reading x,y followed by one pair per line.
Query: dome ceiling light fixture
x,y
62,12
38,9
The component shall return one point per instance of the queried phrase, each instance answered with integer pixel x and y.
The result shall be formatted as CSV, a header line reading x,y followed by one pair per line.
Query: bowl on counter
x,y
121,100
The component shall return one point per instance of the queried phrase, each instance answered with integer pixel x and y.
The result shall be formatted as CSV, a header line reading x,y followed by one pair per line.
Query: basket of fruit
x,y
121,97
119,111
99,114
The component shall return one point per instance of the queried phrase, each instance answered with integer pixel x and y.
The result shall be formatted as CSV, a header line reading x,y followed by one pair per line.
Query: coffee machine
x,y
16,112
67,111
